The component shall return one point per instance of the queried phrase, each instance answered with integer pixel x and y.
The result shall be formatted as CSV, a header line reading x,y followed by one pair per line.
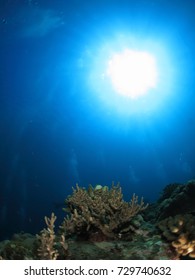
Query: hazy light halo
x,y
132,73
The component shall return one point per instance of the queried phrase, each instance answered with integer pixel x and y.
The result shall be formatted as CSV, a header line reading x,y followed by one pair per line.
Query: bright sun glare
x,y
132,73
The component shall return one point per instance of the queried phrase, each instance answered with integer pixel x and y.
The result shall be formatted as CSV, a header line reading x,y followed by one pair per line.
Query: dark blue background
x,y
54,133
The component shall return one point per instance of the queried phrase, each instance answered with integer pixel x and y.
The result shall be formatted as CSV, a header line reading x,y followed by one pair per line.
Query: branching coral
x,y
48,241
180,230
47,249
101,210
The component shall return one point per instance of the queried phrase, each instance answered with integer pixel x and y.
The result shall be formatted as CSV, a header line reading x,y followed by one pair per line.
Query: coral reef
x,y
141,248
180,231
100,212
20,247
167,191
101,225
176,199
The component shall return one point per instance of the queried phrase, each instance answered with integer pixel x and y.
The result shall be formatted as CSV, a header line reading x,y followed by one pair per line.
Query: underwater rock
x,y
176,199
20,247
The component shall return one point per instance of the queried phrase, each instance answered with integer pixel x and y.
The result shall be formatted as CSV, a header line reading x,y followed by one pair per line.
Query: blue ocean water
x,y
61,123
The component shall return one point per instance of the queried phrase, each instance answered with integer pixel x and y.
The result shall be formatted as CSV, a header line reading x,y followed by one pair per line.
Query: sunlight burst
x,y
132,73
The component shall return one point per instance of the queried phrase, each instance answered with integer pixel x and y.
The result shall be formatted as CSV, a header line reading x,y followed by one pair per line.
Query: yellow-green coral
x,y
180,231
100,209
